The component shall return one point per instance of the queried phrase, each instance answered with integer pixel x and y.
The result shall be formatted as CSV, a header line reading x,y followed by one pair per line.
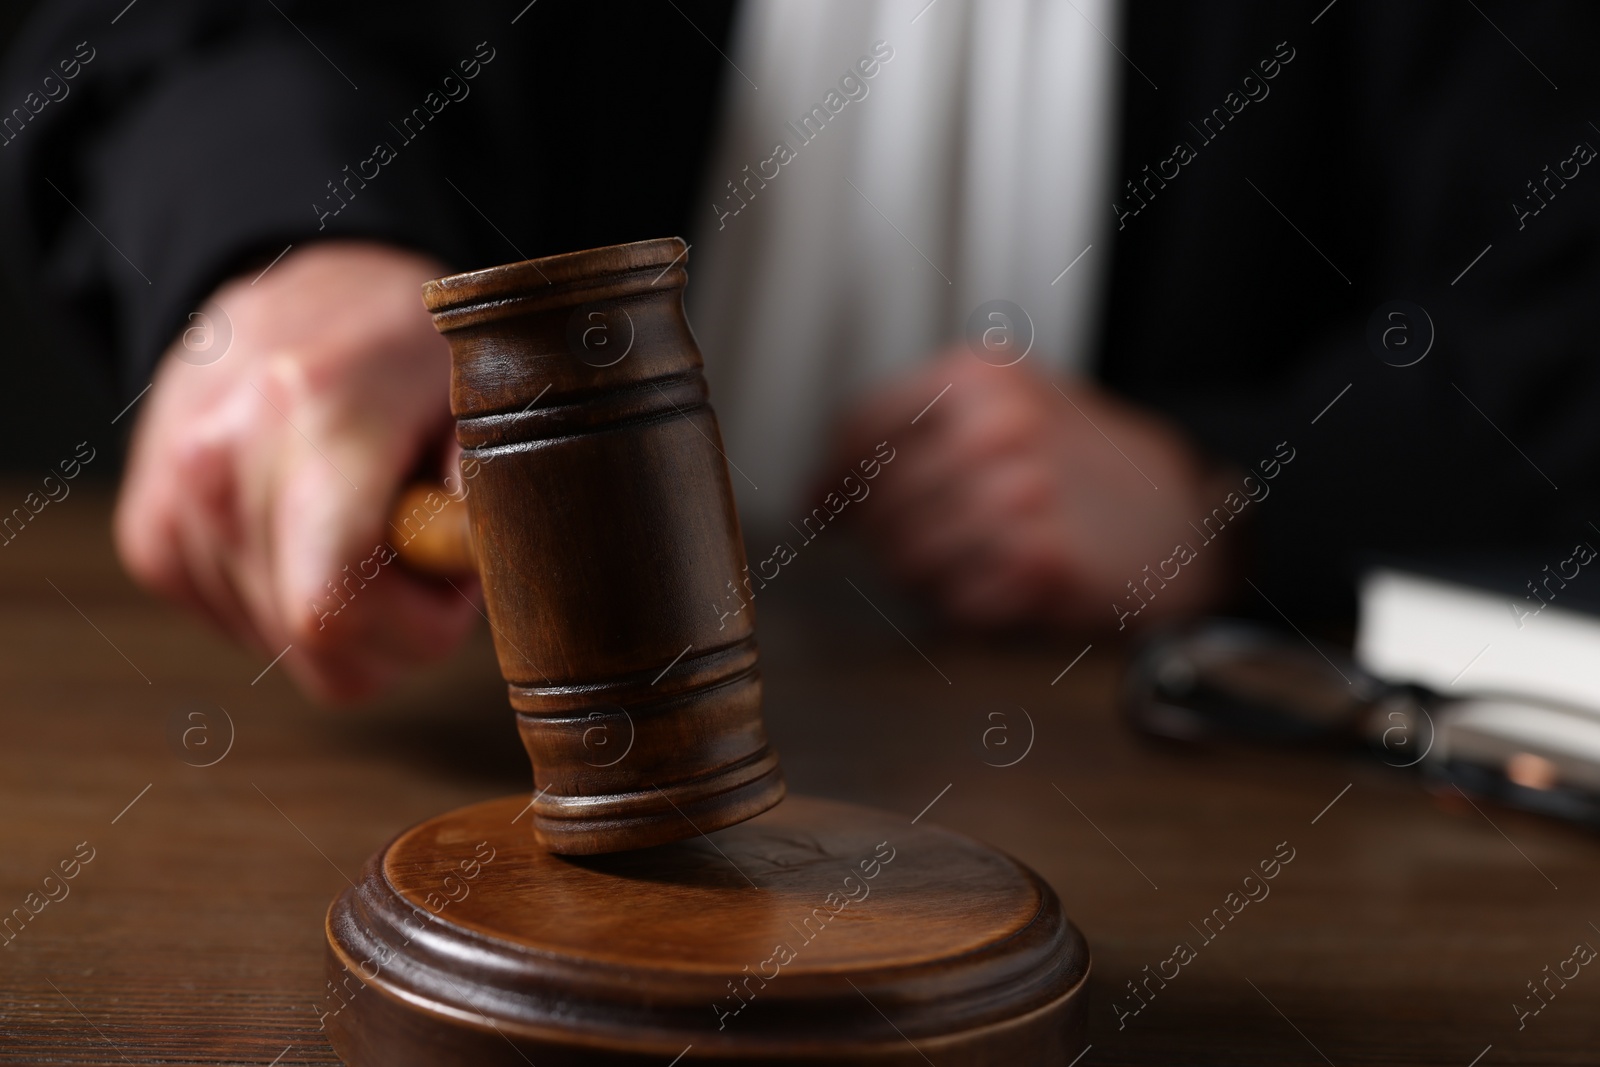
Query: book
x,y
1465,640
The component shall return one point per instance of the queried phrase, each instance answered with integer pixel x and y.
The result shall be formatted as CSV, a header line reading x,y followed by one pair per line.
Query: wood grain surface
x,y
1404,929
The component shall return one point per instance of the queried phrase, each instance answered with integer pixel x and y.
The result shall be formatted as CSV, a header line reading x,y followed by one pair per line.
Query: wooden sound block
x,y
818,932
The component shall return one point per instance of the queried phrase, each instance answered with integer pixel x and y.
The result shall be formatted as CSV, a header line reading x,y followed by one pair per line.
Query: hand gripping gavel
x,y
803,933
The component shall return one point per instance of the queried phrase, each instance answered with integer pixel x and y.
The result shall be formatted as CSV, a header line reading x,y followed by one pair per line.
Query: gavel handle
x,y
433,540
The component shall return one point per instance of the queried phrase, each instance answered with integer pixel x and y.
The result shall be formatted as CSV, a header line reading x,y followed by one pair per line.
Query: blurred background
x,y
52,388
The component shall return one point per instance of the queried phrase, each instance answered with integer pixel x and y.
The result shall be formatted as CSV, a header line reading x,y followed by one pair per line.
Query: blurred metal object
x,y
1219,679
1222,678
1531,756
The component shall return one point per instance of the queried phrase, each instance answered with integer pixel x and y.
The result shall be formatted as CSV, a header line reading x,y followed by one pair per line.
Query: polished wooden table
x,y
1405,929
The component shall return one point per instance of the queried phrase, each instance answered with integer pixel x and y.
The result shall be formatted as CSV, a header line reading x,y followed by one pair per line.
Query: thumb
x,y
335,480
329,531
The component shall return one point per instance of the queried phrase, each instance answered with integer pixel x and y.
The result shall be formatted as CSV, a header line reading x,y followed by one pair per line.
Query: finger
x,y
931,534
984,425
898,412
1012,580
382,632
173,517
207,564
987,598
362,618
322,495
210,513
150,543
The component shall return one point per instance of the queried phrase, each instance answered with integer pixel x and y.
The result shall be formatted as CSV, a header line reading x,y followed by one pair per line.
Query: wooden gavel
x,y
435,535
584,382
594,497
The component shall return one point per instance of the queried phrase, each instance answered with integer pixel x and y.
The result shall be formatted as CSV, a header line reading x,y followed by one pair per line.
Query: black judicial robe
x,y
1286,172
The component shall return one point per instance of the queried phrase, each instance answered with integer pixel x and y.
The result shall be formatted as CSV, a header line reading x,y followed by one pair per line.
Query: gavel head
x,y
608,544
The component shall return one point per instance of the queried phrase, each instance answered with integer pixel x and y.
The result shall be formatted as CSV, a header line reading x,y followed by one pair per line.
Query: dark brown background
x,y
1402,932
